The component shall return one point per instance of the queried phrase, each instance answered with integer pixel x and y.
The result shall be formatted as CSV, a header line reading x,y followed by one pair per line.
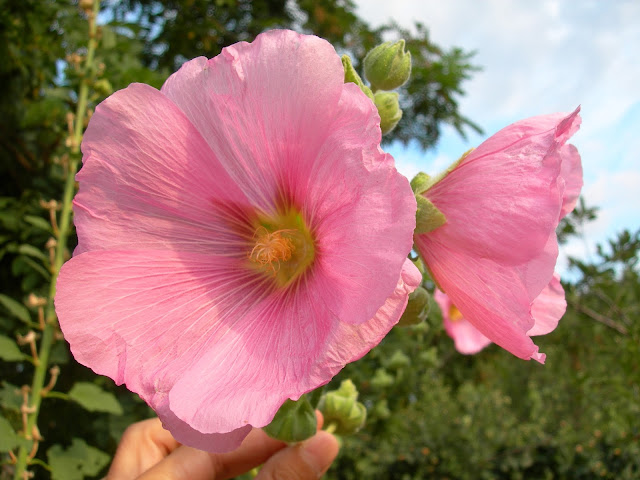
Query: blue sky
x,y
542,57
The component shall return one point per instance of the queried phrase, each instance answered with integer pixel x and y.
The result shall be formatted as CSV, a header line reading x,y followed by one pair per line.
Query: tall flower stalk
x,y
33,396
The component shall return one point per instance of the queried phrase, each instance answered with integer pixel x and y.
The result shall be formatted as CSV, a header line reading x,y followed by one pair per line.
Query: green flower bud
x,y
429,356
103,87
351,76
342,409
381,379
398,360
387,66
381,409
388,109
294,422
417,308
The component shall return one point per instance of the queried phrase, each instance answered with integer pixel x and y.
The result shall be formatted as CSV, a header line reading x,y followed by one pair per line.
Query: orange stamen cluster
x,y
271,248
455,315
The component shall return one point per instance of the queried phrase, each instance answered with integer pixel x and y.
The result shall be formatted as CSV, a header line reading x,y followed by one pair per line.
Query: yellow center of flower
x,y
454,314
282,247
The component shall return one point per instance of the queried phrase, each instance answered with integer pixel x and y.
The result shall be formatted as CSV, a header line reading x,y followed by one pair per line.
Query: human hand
x,y
149,452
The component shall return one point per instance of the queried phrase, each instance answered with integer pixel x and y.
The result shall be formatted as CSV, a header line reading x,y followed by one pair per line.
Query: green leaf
x,y
78,461
32,251
94,399
8,437
38,222
35,266
10,397
59,354
9,350
15,308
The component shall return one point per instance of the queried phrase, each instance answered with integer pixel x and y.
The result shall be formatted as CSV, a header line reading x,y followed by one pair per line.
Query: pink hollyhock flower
x,y
546,310
242,237
467,339
497,250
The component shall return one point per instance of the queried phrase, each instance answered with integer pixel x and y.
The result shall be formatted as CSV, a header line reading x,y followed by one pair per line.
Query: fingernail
x,y
319,451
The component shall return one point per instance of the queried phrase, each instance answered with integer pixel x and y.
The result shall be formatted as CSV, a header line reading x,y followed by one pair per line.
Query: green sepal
x,y
389,110
341,408
294,421
428,217
351,76
417,308
421,183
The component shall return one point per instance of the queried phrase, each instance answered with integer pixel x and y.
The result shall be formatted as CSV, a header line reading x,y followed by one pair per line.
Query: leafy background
x,y
432,413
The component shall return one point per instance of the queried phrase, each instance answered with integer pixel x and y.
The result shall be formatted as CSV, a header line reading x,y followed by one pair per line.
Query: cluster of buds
x,y
342,410
386,67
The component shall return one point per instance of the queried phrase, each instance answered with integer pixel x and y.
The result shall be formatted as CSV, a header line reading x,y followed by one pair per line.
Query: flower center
x,y
454,314
282,247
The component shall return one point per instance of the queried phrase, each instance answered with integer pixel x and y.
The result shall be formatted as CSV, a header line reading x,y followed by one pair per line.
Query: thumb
x,y
305,461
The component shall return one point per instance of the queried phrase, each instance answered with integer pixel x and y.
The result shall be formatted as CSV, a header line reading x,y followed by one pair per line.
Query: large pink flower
x,y
241,237
498,248
546,310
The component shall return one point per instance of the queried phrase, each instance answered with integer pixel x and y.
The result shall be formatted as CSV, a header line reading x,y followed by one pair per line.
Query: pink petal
x,y
571,172
357,207
548,308
149,180
210,442
315,352
494,298
264,108
509,187
467,339
151,312
348,343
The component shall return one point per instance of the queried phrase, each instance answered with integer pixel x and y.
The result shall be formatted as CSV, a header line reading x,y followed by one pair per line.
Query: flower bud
x,y
398,360
387,66
103,87
350,75
381,409
417,308
388,109
382,379
342,409
294,422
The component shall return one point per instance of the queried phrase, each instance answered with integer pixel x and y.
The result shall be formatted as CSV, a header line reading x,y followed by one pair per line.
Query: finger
x,y
143,444
308,460
186,463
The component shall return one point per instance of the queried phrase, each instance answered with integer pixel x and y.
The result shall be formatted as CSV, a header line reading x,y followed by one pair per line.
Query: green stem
x,y
332,427
64,225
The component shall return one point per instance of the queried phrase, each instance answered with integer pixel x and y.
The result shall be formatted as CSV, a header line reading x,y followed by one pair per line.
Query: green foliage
x,y
9,351
77,462
14,308
93,398
8,437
